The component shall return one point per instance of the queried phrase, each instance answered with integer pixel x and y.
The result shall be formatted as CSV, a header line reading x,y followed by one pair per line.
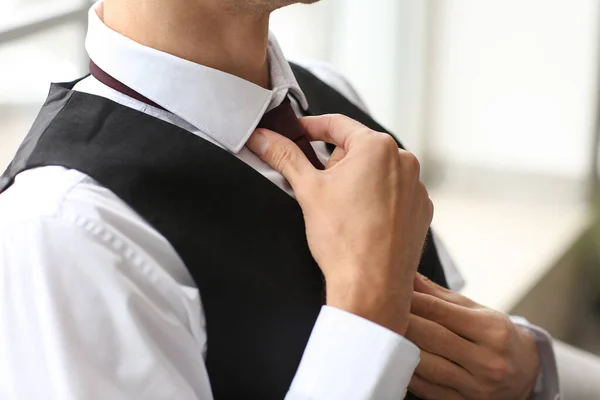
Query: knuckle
x,y
428,207
410,163
383,143
497,370
423,190
430,210
367,133
338,121
389,142
335,119
367,140
340,117
281,157
501,331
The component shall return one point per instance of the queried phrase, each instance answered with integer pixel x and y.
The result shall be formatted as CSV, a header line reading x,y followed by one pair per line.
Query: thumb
x,y
281,154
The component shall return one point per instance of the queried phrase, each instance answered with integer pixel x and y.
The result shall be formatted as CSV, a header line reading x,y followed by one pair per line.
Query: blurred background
x,y
499,99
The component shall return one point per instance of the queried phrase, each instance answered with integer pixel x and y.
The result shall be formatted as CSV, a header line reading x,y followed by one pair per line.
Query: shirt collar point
x,y
236,146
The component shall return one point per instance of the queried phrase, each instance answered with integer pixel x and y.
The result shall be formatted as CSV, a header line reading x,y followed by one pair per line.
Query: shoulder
x,y
48,208
59,214
54,193
328,74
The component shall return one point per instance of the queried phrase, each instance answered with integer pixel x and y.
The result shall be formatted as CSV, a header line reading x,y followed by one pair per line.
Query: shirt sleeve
x,y
547,385
83,316
348,357
86,316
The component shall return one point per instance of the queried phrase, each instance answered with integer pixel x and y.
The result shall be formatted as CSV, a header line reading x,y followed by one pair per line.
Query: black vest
x,y
241,237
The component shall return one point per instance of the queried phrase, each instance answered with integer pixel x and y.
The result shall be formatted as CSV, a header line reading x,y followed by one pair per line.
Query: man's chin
x,y
265,5
290,2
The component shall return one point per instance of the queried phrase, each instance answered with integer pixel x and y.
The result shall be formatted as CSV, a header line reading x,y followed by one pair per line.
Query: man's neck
x,y
205,32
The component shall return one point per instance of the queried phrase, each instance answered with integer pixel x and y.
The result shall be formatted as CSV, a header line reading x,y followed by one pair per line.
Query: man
x,y
145,256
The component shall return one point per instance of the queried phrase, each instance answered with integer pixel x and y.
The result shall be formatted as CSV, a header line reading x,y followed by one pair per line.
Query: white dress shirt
x,y
96,304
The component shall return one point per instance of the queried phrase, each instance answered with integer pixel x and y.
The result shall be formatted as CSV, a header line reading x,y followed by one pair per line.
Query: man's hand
x,y
366,214
467,351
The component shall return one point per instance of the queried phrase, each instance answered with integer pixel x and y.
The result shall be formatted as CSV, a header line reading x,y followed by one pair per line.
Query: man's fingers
x,y
333,128
424,285
281,154
440,371
458,319
436,339
430,391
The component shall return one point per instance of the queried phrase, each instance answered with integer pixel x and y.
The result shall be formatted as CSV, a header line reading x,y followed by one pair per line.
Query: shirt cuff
x,y
547,385
350,358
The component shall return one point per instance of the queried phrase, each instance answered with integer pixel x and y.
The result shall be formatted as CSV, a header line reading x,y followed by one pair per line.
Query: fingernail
x,y
258,143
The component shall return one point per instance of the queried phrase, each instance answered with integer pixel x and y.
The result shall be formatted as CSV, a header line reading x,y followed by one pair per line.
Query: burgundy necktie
x,y
112,83
281,119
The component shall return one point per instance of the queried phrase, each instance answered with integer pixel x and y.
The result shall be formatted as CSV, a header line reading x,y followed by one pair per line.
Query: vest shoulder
x,y
328,74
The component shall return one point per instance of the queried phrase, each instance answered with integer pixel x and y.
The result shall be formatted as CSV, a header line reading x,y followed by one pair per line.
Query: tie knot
x,y
282,119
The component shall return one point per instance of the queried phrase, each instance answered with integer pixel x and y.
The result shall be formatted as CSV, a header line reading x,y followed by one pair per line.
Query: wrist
x,y
528,339
384,306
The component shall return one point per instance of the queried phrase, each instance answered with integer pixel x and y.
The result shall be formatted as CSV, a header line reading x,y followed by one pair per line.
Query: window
x,y
41,41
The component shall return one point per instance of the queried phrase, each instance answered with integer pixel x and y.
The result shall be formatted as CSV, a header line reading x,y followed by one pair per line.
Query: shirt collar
x,y
222,106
